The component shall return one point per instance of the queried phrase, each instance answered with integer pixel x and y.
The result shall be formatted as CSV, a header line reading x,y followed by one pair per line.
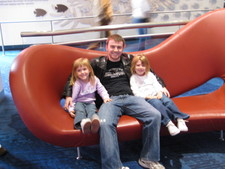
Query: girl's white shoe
x,y
86,126
182,125
95,123
173,130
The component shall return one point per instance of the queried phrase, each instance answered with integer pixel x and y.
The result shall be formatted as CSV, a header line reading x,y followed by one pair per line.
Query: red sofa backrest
x,y
193,55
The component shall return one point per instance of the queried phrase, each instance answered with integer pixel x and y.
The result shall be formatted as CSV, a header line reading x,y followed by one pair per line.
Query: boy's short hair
x,y
116,38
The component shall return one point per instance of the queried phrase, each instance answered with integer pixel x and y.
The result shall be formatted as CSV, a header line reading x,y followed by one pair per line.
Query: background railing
x,y
105,28
53,33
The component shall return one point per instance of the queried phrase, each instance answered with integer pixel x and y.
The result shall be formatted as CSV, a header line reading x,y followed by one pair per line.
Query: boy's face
x,y
114,50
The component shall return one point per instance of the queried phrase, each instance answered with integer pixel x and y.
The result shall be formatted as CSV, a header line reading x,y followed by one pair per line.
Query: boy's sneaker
x,y
95,123
86,126
182,125
2,151
125,168
150,164
173,130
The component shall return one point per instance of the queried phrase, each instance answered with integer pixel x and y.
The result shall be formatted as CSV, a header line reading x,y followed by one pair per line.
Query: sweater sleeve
x,y
157,86
75,91
159,79
135,87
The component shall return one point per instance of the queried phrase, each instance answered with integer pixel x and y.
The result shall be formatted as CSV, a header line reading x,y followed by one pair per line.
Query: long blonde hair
x,y
143,59
82,62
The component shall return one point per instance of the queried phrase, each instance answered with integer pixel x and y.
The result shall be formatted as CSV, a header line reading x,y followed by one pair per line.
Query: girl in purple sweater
x,y
85,84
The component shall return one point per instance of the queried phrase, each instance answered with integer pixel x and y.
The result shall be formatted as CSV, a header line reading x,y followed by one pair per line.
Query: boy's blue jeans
x,y
137,107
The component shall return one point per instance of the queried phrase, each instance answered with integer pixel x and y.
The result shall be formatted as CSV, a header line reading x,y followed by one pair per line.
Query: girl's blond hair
x,y
82,62
143,59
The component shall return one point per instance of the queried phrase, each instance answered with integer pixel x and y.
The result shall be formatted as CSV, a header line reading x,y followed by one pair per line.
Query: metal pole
x,y
3,49
52,30
78,154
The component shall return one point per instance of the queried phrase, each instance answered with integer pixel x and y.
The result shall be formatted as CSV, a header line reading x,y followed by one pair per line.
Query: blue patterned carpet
x,y
185,151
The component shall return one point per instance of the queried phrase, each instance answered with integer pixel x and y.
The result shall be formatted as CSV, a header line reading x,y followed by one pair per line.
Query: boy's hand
x,y
107,100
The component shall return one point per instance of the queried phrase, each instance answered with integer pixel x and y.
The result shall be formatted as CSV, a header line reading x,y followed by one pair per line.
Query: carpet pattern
x,y
25,151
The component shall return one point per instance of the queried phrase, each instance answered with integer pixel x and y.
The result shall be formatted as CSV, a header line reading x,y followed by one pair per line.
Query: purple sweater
x,y
85,92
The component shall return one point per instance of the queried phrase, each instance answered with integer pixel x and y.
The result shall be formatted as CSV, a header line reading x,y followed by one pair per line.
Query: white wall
x,y
14,15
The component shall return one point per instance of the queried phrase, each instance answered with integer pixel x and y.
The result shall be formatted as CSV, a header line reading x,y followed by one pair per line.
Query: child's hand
x,y
72,114
166,92
107,100
68,103
159,95
150,97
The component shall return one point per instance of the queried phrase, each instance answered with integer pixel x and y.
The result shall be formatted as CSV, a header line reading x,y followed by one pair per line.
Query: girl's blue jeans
x,y
83,111
168,109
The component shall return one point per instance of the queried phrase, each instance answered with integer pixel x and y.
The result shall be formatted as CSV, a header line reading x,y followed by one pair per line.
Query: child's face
x,y
83,73
140,68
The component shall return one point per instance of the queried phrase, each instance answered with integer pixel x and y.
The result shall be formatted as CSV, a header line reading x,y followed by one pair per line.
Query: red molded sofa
x,y
189,58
